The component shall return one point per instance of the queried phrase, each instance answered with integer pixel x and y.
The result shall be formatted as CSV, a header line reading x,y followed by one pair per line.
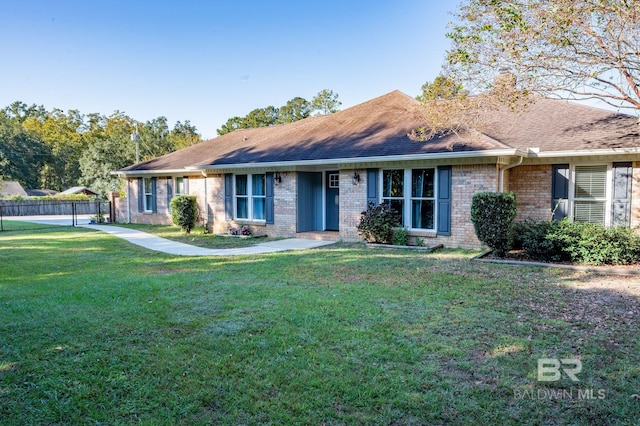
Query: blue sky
x,y
206,61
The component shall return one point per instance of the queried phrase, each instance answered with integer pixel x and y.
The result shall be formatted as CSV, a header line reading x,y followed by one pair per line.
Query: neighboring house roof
x,y
79,190
380,128
41,192
11,187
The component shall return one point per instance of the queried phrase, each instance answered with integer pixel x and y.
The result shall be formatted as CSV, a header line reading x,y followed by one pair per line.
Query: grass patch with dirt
x,y
96,330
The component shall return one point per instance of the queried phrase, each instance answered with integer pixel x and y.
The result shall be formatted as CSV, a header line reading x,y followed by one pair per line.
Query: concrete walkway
x,y
172,247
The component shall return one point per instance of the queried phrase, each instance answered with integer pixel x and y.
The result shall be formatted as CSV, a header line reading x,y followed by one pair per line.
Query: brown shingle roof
x,y
557,125
380,128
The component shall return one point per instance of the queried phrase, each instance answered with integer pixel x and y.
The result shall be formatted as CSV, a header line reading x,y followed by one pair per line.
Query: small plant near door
x,y
377,222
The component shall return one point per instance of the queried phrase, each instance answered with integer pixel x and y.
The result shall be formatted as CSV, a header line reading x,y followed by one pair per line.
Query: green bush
x,y
492,215
531,236
184,211
577,242
399,236
594,244
377,222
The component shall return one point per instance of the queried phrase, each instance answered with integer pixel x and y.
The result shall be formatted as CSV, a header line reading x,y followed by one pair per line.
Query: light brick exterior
x,y
353,200
532,185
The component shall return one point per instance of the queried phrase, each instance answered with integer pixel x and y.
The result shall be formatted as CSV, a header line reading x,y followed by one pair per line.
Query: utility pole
x,y
136,138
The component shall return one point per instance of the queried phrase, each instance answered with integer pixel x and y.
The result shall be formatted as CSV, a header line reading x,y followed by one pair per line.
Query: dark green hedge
x,y
492,215
184,211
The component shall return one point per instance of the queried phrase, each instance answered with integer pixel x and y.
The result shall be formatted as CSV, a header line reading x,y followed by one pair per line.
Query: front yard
x,y
96,330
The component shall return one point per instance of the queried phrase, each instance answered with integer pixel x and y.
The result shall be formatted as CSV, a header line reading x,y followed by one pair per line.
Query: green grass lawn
x,y
197,237
94,330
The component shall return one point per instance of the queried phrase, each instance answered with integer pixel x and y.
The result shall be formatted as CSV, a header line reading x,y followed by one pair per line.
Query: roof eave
x,y
377,159
584,152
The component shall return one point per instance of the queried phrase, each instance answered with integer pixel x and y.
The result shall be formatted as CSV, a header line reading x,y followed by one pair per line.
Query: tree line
x,y
51,149
325,102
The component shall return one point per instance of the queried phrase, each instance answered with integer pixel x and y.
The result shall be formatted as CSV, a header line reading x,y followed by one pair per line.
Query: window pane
x,y
591,181
241,184
422,183
242,208
396,206
148,201
258,184
422,214
147,185
589,211
258,208
392,183
180,185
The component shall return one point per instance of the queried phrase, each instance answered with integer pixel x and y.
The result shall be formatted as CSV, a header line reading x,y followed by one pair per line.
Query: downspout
x,y
128,202
506,167
206,204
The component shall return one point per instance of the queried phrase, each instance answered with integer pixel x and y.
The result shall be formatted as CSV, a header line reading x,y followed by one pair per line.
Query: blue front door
x,y
332,201
309,201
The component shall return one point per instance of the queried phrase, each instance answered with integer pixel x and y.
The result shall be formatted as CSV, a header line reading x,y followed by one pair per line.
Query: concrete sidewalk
x,y
172,247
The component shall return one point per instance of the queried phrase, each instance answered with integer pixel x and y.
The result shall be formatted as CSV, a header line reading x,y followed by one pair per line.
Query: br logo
x,y
549,369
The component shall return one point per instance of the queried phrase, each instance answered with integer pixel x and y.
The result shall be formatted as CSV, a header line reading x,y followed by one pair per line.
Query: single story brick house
x,y
320,173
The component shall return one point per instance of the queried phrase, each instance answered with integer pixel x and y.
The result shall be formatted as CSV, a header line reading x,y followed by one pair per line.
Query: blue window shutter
x,y
228,196
621,197
444,200
140,195
268,208
372,187
154,185
560,191
169,192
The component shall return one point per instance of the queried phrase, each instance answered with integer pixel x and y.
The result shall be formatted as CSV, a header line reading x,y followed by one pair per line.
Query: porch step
x,y
319,235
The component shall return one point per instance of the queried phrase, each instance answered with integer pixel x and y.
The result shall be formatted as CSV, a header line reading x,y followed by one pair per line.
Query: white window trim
x,y
185,181
608,191
407,198
146,208
249,198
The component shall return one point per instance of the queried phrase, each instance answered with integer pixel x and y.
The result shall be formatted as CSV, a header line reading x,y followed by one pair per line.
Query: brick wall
x,y
532,185
353,200
162,217
284,199
466,180
285,206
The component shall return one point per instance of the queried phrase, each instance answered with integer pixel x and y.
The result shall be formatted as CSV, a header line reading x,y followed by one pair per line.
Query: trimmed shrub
x,y
184,211
492,215
377,222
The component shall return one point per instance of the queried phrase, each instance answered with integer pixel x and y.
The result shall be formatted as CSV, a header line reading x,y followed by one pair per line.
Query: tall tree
x,y
108,148
62,133
325,102
22,154
295,109
575,49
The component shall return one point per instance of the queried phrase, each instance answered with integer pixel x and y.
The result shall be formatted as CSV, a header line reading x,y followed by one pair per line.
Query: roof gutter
x,y
584,153
362,160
